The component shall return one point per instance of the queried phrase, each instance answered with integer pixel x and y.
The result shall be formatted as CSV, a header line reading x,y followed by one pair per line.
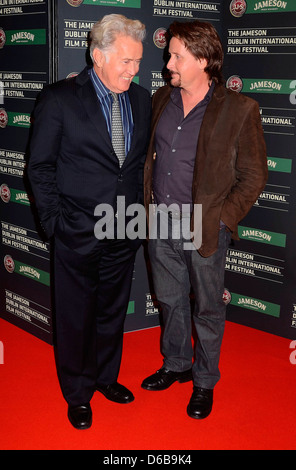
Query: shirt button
x,y
168,195
169,173
173,150
179,128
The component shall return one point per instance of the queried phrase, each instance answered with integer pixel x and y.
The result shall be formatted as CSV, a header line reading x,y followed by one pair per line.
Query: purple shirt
x,y
176,140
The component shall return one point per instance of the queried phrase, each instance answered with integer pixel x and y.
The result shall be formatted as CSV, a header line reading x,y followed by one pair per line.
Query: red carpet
x,y
254,402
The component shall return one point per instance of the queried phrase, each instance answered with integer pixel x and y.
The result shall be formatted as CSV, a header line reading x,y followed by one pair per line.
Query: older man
x,y
207,150
84,153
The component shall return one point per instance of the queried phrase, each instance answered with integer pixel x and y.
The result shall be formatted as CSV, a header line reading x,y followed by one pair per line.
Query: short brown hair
x,y
203,41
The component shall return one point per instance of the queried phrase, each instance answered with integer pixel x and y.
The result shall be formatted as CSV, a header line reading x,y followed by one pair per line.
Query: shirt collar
x,y
177,100
101,89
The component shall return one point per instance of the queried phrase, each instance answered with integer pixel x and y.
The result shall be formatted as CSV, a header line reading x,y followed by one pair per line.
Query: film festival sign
x,y
106,3
259,39
25,65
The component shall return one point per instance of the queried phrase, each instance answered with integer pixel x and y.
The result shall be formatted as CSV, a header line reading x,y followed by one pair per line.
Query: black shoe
x,y
80,416
201,402
116,392
163,379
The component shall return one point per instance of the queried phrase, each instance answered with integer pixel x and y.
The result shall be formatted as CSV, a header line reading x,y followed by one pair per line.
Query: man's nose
x,y
170,63
133,68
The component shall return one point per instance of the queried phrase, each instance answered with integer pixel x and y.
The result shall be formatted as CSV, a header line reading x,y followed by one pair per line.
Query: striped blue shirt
x,y
105,99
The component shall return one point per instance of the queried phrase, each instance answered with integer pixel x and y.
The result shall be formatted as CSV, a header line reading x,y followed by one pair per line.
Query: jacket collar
x,y
89,100
87,95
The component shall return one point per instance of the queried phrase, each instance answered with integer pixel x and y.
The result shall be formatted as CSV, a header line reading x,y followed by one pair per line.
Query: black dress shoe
x,y
164,378
80,416
116,392
201,402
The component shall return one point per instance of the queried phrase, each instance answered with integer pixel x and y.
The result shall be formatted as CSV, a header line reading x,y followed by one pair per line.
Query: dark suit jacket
x,y
72,166
230,166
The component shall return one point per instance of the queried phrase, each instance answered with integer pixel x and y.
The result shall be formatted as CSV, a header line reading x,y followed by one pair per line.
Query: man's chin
x,y
175,81
124,85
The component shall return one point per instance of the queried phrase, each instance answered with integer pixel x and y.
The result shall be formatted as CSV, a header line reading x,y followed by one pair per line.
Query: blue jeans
x,y
175,271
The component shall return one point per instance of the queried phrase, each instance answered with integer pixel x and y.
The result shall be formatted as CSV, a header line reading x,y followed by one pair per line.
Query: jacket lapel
x,y
211,116
207,129
89,100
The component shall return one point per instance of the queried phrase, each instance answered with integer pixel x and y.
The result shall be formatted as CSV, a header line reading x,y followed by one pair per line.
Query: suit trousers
x,y
91,300
178,271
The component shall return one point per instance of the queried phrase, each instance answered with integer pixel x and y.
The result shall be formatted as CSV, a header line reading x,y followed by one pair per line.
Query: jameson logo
x,y
115,3
21,120
265,6
20,197
14,195
270,4
252,85
22,36
29,271
27,37
18,119
257,305
261,236
13,266
282,165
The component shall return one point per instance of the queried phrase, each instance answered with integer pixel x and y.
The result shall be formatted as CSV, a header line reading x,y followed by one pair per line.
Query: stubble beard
x,y
175,80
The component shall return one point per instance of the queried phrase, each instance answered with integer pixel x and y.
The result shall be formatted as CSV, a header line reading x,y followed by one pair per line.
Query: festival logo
x,y
9,264
159,38
2,38
5,193
234,83
238,8
3,118
75,3
226,296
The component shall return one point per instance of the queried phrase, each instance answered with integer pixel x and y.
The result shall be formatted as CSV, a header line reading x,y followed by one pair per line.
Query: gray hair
x,y
105,31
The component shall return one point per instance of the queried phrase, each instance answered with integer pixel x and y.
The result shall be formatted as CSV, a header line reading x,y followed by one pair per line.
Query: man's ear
x,y
203,63
99,57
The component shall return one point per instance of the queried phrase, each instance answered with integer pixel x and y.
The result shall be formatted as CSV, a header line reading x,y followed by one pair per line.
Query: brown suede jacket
x,y
230,166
